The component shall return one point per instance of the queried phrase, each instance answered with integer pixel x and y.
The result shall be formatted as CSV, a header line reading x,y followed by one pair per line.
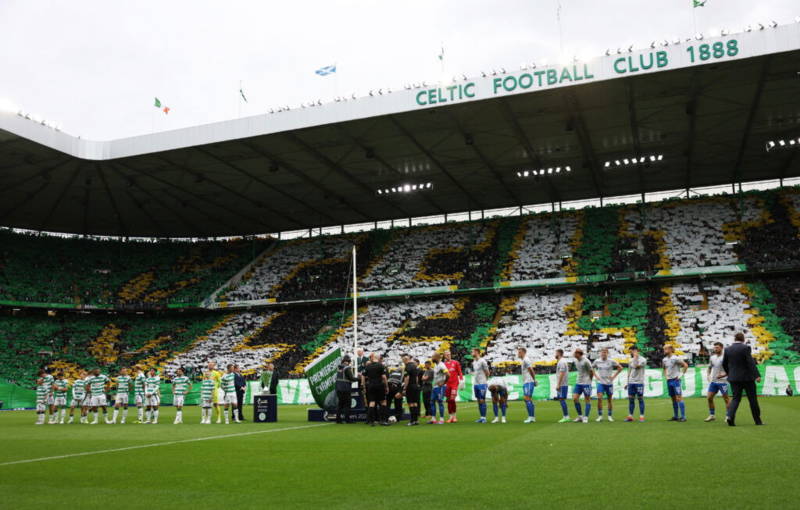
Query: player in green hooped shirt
x,y
180,387
152,396
42,391
124,383
60,388
229,389
207,389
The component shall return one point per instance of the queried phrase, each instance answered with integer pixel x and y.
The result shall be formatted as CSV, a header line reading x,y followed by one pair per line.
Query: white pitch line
x,y
166,443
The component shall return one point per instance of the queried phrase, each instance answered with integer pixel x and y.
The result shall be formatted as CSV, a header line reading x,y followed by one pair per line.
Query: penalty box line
x,y
153,445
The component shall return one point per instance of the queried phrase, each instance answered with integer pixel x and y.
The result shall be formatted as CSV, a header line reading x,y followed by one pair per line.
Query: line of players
x,y
89,396
444,376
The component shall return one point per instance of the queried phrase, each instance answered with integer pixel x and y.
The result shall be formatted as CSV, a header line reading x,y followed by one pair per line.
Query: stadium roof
x,y
709,107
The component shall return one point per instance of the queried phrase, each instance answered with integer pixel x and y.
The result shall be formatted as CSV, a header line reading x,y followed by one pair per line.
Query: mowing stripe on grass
x,y
165,443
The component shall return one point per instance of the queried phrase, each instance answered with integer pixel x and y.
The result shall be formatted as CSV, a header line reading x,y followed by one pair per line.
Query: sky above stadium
x,y
95,66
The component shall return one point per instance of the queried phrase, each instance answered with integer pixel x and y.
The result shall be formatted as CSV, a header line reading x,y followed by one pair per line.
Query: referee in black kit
x,y
411,389
377,386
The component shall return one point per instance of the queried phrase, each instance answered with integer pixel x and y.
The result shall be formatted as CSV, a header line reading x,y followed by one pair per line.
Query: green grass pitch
x,y
656,464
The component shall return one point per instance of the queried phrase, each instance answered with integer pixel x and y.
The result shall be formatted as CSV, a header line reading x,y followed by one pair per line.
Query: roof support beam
x,y
424,196
340,171
553,195
203,212
691,110
197,175
634,123
585,140
22,202
488,164
473,200
736,174
192,226
46,220
45,172
101,174
303,177
266,184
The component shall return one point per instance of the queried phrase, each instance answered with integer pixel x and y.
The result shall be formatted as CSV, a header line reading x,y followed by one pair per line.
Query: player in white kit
x,y
636,367
480,375
499,390
528,384
605,370
717,380
562,384
583,386
674,368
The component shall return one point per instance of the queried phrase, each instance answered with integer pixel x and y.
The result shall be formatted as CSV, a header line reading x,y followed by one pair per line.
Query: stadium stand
x,y
71,341
758,230
50,269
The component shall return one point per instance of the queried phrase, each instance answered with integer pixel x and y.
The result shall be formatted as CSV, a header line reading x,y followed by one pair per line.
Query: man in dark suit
x,y
742,376
241,385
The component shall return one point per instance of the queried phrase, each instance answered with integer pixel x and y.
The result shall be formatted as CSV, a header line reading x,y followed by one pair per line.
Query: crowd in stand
x,y
50,269
759,230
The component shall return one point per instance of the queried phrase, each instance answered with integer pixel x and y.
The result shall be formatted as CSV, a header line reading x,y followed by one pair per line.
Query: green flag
x,y
157,104
698,3
241,93
321,374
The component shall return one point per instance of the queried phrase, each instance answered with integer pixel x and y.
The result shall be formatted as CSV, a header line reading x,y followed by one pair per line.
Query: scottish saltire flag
x,y
325,71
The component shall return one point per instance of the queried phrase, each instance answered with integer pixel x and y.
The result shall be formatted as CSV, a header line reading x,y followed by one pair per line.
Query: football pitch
x,y
297,464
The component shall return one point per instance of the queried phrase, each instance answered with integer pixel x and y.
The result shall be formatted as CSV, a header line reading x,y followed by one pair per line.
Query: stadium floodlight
x,y
652,44
407,188
630,48
533,65
608,52
526,173
761,26
698,36
773,24
724,32
483,74
797,19
380,192
523,67
782,143
619,51
676,40
634,160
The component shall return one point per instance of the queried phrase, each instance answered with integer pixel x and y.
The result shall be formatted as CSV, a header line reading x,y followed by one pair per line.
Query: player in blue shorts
x,y
717,380
562,377
674,368
605,371
635,386
499,391
480,377
440,376
528,383
583,386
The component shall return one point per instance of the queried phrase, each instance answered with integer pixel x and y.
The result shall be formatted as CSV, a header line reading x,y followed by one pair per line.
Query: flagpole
x,y
239,101
355,308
